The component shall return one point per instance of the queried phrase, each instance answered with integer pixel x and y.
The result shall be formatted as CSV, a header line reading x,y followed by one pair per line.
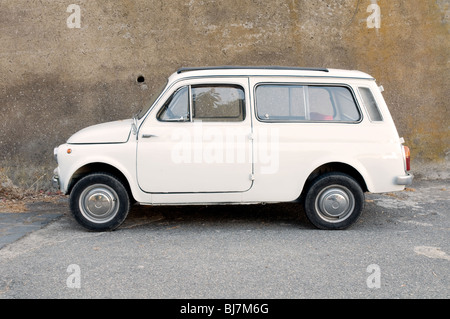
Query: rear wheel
x,y
99,202
334,201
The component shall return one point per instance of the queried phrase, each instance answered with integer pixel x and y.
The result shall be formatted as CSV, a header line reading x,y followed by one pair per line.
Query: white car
x,y
240,135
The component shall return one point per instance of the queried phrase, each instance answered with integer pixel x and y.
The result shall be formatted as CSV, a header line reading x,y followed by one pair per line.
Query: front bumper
x,y
404,179
55,179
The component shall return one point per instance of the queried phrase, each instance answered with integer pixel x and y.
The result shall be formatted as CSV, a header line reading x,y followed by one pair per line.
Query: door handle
x,y
148,135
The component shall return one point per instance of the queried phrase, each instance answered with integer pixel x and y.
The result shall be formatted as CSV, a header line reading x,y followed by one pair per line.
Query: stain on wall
x,y
55,80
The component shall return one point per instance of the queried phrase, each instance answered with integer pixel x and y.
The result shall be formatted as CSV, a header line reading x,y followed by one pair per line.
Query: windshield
x,y
153,98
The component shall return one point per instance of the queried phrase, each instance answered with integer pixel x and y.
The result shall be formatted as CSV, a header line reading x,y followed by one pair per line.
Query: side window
x,y
218,103
370,104
176,108
348,111
332,103
321,107
281,102
311,103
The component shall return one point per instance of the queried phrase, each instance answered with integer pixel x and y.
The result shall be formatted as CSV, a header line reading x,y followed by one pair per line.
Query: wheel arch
x,y
337,167
99,167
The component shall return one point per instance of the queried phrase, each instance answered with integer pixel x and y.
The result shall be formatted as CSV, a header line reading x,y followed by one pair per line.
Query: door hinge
x,y
250,136
252,177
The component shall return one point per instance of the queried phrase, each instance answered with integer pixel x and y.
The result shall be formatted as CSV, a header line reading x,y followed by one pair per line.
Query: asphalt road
x,y
399,248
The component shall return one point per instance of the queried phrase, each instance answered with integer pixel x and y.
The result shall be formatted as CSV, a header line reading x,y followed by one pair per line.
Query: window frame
x,y
243,106
306,86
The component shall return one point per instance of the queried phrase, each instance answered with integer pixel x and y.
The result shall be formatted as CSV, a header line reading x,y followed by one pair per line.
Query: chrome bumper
x,y
55,179
404,179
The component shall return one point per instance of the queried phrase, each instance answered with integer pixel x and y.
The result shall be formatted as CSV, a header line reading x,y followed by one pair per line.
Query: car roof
x,y
266,71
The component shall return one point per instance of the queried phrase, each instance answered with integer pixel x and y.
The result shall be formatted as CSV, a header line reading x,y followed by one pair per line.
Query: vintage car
x,y
240,135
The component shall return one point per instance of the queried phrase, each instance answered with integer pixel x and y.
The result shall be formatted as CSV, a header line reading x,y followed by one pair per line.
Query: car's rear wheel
x,y
334,201
99,202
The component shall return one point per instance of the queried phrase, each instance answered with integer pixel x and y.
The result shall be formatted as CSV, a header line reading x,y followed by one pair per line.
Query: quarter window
x,y
312,103
176,109
370,104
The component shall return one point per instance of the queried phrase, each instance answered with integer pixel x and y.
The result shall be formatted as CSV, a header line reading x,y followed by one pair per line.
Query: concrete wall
x,y
56,78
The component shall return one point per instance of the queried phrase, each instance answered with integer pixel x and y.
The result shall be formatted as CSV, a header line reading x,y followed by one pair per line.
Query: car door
x,y
197,139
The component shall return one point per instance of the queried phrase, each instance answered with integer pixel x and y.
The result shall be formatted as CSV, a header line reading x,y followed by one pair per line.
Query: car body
x,y
240,135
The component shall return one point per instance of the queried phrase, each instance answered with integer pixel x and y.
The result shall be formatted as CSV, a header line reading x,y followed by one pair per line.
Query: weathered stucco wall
x,y
55,80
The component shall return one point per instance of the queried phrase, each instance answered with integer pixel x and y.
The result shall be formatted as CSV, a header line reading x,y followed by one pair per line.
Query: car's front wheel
x,y
99,202
334,201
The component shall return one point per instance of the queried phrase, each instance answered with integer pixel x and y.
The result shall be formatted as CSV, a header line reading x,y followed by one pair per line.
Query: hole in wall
x,y
140,79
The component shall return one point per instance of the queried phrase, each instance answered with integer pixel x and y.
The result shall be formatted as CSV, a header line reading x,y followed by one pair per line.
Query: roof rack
x,y
231,67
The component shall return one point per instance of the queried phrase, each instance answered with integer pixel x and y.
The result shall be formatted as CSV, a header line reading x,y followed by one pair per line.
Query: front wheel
x,y
334,201
99,202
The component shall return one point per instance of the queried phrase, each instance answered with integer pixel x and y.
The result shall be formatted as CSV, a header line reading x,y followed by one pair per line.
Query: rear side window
x,y
370,104
281,102
309,103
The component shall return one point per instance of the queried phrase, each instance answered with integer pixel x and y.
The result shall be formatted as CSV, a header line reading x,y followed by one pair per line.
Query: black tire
x,y
334,201
99,202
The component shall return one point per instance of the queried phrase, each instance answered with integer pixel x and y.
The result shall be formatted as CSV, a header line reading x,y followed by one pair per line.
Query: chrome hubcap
x,y
98,203
335,203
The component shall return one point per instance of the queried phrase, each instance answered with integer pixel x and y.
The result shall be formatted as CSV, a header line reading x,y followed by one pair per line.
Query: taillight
x,y
407,158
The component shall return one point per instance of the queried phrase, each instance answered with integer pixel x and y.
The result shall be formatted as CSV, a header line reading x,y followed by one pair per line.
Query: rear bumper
x,y
404,179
